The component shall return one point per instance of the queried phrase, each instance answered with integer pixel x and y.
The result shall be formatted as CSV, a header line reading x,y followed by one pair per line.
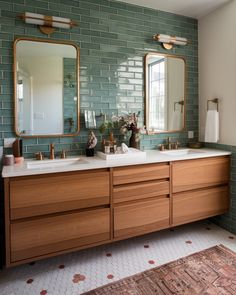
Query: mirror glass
x,y
46,88
165,93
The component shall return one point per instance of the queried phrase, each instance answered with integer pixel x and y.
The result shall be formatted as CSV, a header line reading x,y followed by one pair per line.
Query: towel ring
x,y
214,100
181,102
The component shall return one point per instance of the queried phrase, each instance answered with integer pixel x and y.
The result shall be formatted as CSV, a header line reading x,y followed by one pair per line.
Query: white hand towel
x,y
176,123
212,126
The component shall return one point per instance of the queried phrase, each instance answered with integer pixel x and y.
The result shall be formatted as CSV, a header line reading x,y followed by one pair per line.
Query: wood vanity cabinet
x,y
45,194
41,236
200,188
141,199
200,173
53,213
49,214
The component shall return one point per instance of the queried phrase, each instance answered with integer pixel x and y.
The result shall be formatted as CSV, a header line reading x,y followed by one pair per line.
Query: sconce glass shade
x,y
45,21
168,41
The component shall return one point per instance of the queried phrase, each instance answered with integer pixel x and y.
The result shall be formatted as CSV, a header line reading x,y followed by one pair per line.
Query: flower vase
x,y
134,140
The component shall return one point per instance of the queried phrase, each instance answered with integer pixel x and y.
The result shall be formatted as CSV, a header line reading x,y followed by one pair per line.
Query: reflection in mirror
x,y
165,93
46,88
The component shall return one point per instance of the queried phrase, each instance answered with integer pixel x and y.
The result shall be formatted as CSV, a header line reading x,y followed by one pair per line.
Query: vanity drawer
x,y
34,196
200,173
196,205
130,192
57,233
141,217
140,173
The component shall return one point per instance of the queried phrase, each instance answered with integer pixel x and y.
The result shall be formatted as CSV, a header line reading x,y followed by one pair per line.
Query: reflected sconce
x,y
169,41
46,23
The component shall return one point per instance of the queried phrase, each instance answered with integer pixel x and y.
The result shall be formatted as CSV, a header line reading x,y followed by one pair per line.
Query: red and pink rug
x,y
211,271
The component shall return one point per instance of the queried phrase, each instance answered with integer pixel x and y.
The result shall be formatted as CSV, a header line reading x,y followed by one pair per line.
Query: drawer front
x,y
141,217
48,235
140,173
200,173
130,192
44,195
191,206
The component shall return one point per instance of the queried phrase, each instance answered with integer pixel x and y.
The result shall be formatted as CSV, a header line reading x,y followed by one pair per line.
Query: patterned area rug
x,y
209,272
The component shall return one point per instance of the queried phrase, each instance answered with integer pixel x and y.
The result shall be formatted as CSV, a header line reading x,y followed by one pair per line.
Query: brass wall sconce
x,y
169,41
46,23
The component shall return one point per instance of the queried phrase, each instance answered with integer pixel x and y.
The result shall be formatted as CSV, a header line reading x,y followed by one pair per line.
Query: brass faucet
x,y
171,145
52,151
168,143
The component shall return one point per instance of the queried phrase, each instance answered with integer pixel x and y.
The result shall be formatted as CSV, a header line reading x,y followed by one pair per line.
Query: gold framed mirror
x,y
165,93
46,88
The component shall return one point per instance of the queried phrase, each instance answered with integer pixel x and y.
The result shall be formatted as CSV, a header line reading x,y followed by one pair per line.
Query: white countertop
x,y
88,163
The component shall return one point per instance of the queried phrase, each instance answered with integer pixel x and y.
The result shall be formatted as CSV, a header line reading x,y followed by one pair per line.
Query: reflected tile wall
x,y
113,38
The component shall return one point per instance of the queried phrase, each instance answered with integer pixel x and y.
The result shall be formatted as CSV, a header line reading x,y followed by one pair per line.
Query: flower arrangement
x,y
129,123
125,123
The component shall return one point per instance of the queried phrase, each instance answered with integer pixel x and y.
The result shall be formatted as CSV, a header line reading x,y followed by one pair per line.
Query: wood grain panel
x,y
141,190
57,193
196,205
47,235
200,173
143,216
140,173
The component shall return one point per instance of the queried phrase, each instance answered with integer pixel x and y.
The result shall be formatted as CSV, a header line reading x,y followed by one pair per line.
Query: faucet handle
x,y
161,147
39,156
175,145
63,154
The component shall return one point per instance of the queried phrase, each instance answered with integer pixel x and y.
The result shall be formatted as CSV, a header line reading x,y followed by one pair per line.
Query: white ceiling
x,y
191,8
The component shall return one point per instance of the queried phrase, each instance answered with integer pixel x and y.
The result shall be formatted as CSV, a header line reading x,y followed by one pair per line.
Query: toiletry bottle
x,y
107,147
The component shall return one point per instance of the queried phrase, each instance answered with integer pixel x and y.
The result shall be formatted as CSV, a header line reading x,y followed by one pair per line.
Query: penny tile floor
x,y
75,273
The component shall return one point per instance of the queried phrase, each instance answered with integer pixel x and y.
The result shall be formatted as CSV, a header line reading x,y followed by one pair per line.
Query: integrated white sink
x,y
183,152
53,163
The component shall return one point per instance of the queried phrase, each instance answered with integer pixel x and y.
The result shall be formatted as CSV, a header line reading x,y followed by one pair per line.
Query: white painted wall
x,y
47,91
217,69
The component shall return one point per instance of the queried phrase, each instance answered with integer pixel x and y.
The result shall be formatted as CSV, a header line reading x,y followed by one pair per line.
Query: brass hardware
x,y
214,100
175,145
181,103
39,156
63,154
161,147
168,143
46,30
52,151
171,145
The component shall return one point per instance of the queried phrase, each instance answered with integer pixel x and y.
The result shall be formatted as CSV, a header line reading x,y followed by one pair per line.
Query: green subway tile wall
x,y
69,96
113,38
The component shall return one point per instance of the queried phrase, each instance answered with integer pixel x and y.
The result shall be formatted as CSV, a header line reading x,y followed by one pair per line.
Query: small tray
x,y
195,145
132,155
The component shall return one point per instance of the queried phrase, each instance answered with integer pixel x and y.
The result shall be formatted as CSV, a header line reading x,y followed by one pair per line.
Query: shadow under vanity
x,y
52,210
